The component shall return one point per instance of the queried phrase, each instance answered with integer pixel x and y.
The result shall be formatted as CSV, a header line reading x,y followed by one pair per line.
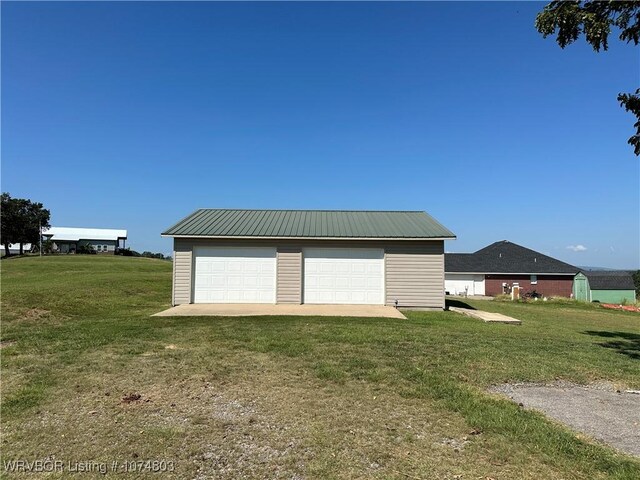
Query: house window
x,y
534,279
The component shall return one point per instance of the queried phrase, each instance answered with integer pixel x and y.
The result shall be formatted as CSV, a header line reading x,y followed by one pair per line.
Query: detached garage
x,y
309,256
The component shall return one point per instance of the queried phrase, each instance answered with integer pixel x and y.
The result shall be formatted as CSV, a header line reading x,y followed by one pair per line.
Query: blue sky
x,y
132,115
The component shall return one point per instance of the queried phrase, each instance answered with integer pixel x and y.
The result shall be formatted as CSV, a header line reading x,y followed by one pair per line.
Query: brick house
x,y
495,269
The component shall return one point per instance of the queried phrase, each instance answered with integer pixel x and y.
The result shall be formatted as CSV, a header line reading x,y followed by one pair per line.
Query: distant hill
x,y
595,269
603,269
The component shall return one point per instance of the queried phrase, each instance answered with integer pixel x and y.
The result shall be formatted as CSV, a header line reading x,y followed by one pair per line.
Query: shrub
x,y
47,246
127,252
562,300
153,255
86,249
502,298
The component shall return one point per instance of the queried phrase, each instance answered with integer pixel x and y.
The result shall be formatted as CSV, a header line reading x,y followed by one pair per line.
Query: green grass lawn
x,y
283,397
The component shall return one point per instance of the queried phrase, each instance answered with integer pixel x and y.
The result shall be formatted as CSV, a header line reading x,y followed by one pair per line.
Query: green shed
x,y
581,287
607,286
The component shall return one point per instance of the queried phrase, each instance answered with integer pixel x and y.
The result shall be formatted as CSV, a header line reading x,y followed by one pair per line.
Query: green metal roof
x,y
210,222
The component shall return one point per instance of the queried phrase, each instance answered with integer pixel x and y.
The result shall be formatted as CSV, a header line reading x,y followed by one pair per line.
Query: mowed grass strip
x,y
316,397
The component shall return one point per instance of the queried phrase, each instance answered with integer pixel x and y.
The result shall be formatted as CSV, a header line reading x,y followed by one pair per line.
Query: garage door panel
x,y
358,268
251,267
326,282
374,268
234,295
360,297
343,276
234,275
265,268
215,295
266,282
233,266
371,297
344,297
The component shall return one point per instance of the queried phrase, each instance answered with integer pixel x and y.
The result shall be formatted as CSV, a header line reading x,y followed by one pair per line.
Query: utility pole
x,y
40,232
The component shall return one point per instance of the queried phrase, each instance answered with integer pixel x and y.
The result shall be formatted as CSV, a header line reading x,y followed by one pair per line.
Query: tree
x,y
595,19
148,254
9,219
36,219
21,220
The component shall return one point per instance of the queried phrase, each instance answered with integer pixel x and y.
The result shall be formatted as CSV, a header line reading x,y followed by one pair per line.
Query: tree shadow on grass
x,y
625,343
449,302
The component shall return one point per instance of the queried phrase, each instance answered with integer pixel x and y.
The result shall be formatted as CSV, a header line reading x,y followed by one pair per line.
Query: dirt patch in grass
x,y
35,314
7,343
132,397
38,315
598,410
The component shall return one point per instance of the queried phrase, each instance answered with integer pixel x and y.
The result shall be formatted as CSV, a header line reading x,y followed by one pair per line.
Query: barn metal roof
x,y
208,222
74,234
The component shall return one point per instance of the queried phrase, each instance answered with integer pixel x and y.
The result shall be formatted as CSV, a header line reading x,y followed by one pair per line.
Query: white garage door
x,y
344,275
234,275
461,284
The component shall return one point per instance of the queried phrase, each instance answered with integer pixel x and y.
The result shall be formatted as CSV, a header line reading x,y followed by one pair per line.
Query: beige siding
x,y
289,275
182,266
415,275
414,271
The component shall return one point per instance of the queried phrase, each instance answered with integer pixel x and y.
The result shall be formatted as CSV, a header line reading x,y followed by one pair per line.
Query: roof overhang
x,y
66,238
511,273
75,234
309,238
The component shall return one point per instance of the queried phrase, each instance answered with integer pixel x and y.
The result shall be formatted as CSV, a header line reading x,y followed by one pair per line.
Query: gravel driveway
x,y
598,410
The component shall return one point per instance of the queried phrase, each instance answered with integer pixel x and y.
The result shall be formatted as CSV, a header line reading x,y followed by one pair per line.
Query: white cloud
x,y
577,248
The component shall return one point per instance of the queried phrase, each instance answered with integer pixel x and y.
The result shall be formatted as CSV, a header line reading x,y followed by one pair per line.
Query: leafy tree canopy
x,y
21,220
568,20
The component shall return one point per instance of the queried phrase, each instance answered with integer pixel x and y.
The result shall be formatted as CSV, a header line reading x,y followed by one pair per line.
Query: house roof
x,y
209,222
610,280
74,234
506,257
463,263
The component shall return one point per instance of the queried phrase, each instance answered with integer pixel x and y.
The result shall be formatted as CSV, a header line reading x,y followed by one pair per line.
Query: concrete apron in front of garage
x,y
258,309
